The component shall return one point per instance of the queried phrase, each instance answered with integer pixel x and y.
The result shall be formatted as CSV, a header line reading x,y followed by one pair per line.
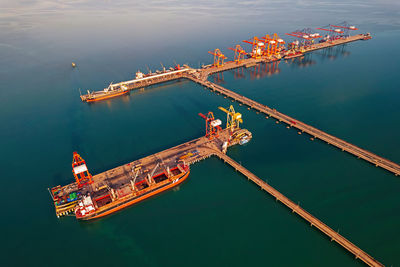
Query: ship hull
x,y
104,97
119,205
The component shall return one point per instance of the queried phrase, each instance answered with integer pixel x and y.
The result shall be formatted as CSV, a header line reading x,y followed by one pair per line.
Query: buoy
x,y
73,64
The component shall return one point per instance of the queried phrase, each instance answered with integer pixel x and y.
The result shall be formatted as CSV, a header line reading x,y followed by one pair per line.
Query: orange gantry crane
x,y
258,47
273,45
212,125
80,170
239,53
218,58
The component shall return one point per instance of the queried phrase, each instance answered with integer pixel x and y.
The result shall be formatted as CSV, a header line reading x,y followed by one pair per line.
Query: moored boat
x,y
108,200
107,93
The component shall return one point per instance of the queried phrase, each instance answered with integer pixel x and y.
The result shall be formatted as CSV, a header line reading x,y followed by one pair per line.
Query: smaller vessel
x,y
241,136
244,140
367,36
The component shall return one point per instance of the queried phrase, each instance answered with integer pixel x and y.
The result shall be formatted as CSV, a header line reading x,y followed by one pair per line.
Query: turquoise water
x,y
216,217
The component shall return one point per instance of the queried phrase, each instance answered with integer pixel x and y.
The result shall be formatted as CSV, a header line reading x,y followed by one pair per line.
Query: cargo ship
x,y
108,200
109,92
92,197
141,80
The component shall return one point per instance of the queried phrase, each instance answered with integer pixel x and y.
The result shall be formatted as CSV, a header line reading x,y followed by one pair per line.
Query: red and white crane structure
x,y
213,126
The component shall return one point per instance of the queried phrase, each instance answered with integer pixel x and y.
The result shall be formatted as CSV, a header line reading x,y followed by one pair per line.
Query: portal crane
x,y
233,119
218,58
212,125
239,53
336,32
306,35
273,45
257,47
346,27
80,171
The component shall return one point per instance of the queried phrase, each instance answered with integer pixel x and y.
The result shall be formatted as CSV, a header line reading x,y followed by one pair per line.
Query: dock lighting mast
x,y
257,47
239,53
218,58
212,125
233,119
80,171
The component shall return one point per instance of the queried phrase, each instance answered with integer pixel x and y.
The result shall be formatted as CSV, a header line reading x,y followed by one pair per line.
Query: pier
x,y
204,147
301,126
143,81
335,236
192,152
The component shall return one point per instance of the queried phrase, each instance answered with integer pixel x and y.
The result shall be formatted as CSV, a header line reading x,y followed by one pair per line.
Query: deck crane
x,y
233,119
134,177
239,53
150,175
257,47
164,69
80,170
218,58
212,125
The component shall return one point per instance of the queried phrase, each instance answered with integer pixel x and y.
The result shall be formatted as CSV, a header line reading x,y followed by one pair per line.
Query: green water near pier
x,y
217,217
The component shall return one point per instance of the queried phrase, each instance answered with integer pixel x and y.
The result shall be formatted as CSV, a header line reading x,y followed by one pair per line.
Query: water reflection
x,y
256,72
330,53
264,70
301,62
219,78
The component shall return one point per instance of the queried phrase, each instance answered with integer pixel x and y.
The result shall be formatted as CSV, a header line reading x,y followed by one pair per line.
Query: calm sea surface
x,y
217,217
